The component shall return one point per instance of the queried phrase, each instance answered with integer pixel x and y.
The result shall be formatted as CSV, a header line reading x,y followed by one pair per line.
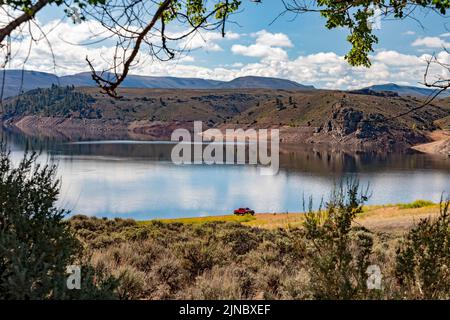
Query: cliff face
x,y
349,126
343,121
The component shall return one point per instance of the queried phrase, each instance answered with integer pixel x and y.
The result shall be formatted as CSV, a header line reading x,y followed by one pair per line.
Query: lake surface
x,y
136,179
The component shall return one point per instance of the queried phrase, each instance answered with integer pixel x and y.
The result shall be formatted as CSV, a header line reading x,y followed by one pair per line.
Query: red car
x,y
243,211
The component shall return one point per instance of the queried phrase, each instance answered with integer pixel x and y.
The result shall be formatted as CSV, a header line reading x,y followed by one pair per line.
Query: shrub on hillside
x,y
416,204
197,256
423,258
36,244
338,254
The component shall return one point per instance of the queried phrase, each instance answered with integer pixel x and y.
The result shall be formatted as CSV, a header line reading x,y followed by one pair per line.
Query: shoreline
x,y
391,218
440,143
93,129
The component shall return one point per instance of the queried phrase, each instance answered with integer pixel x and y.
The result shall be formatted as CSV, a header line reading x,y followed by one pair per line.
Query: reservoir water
x,y
137,179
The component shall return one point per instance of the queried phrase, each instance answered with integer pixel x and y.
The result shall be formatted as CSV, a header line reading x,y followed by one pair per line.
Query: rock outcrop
x,y
350,126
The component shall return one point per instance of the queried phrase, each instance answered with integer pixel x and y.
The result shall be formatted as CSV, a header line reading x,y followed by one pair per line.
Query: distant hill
x,y
132,81
405,90
263,83
13,83
17,81
34,80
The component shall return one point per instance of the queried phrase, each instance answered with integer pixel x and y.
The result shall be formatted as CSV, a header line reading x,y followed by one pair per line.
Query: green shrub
x,y
416,204
241,240
36,244
423,258
199,255
338,255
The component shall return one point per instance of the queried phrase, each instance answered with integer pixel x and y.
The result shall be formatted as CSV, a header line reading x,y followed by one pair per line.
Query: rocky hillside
x,y
353,120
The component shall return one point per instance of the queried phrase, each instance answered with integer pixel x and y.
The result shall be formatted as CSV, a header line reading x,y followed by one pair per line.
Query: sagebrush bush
x,y
36,244
338,254
198,256
217,284
423,258
169,272
132,283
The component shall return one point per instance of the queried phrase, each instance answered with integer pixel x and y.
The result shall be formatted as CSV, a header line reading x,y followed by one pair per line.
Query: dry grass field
x,y
392,218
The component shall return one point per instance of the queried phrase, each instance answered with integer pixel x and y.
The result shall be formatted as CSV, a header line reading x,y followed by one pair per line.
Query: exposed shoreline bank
x,y
440,143
95,129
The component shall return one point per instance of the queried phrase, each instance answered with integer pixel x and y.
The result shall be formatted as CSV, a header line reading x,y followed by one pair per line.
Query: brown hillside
x,y
316,116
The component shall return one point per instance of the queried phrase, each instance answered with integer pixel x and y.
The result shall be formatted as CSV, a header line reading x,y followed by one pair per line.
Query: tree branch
x,y
109,87
6,31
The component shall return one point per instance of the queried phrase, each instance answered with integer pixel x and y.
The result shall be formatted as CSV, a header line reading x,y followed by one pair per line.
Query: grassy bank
x,y
383,218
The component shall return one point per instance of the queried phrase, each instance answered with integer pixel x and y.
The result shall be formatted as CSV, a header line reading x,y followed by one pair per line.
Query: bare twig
x,y
26,16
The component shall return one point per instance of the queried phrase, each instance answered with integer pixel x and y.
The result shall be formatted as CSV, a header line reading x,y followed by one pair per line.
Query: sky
x,y
257,43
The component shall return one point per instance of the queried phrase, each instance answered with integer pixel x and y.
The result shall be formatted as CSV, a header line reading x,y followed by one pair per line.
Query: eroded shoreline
x,y
66,129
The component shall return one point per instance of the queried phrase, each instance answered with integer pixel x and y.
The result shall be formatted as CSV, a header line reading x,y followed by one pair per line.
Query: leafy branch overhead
x,y
357,16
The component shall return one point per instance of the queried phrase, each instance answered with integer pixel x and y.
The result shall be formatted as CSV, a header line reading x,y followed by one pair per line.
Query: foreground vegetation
x,y
328,256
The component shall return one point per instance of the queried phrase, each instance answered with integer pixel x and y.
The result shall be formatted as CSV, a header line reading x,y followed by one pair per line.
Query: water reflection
x,y
137,179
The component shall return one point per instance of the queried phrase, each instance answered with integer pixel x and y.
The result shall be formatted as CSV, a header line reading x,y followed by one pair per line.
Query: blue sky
x,y
302,49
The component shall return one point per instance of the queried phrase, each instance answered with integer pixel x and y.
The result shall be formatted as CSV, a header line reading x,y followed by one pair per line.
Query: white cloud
x,y
265,38
205,40
322,69
430,42
259,51
394,58
267,45
408,33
